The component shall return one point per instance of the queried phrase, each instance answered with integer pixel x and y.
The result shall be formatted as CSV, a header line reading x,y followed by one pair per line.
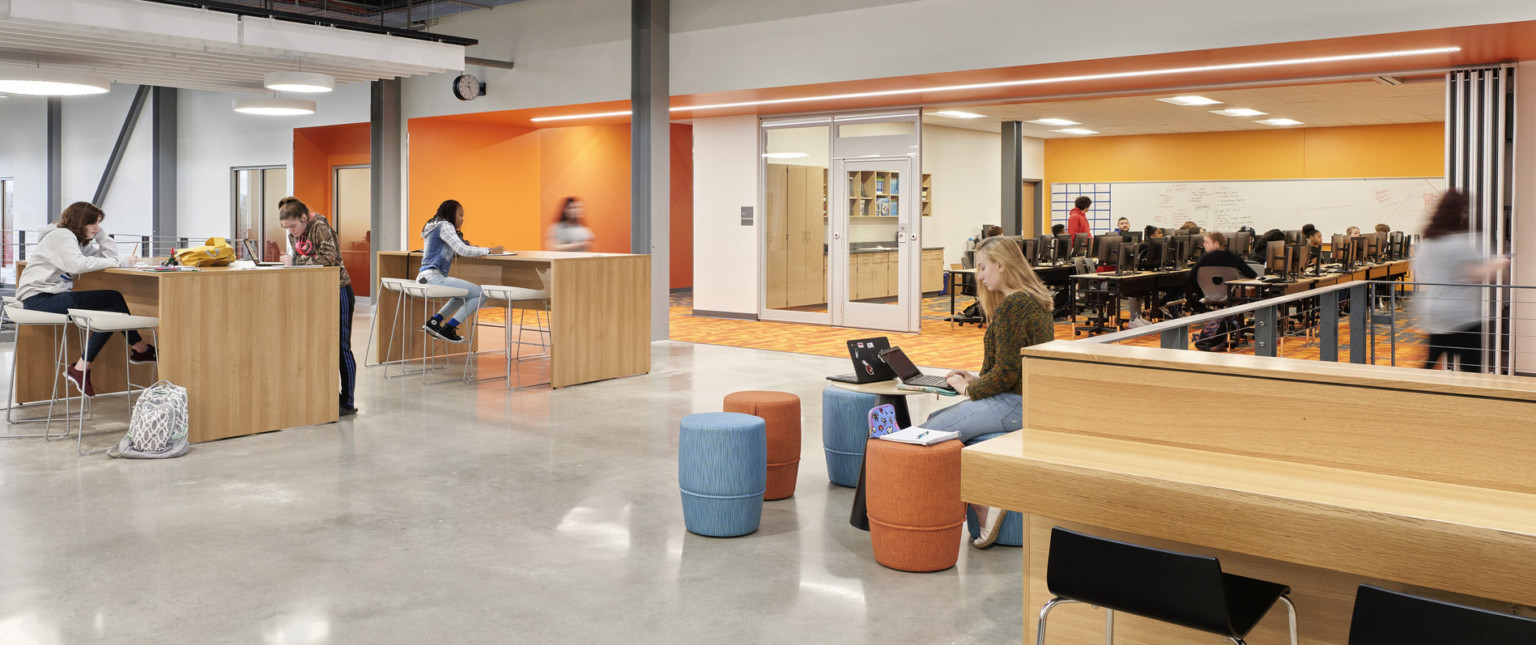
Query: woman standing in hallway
x,y
570,232
442,240
1452,315
74,245
1018,305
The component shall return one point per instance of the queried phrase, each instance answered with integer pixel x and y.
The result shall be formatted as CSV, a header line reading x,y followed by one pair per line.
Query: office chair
x,y
1390,618
1181,589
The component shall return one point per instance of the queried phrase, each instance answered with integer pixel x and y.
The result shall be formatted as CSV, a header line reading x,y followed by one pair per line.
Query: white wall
x,y
1525,217
213,138
725,253
966,166
24,157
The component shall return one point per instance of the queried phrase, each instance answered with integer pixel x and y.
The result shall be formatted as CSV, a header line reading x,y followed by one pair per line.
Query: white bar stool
x,y
402,306
429,294
512,296
90,322
59,324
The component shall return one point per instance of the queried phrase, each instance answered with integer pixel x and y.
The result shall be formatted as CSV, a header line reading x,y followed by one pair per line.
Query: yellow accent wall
x,y
1408,150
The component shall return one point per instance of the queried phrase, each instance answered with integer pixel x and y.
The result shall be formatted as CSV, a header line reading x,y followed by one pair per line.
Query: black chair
x,y
1177,588
1390,618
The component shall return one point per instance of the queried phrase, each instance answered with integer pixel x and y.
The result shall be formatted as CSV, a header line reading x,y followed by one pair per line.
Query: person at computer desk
x,y
1353,231
1216,255
1124,225
1058,229
1018,305
1152,231
1452,315
1312,236
1260,253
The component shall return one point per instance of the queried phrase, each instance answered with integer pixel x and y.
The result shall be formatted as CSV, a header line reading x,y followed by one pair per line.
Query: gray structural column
x,y
1013,177
163,167
651,151
55,129
386,173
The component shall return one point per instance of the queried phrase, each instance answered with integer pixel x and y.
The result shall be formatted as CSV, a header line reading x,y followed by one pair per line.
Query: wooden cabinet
x,y
933,270
877,274
795,225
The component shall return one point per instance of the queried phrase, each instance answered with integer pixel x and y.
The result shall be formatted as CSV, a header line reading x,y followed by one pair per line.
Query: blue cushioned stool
x,y
1011,533
844,429
722,470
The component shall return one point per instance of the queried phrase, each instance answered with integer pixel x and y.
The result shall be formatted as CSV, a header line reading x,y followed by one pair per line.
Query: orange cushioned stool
x,y
915,512
781,411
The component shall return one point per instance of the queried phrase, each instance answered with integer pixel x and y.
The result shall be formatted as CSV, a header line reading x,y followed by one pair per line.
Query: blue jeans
x,y
460,309
997,413
61,303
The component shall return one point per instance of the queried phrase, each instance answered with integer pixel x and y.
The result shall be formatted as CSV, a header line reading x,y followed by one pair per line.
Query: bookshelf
x,y
927,202
874,193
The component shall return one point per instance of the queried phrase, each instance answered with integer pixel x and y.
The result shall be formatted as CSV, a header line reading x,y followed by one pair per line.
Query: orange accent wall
x,y
1407,150
512,179
315,152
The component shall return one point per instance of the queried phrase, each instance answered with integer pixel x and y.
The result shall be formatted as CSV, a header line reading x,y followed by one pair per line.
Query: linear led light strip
x,y
1039,81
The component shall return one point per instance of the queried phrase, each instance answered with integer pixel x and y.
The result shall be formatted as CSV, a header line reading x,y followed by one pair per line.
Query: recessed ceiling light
x,y
957,114
47,81
1076,131
1279,122
1055,122
302,82
1191,100
1239,112
274,106
785,155
1171,71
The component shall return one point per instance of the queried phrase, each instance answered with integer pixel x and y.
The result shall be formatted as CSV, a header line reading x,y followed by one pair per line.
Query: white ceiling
x,y
1363,102
147,43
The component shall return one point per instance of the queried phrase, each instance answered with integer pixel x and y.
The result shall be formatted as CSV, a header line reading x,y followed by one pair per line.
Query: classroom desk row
x,y
1319,476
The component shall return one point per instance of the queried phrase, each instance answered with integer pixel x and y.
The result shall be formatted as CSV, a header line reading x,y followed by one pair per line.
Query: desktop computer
x,y
1107,249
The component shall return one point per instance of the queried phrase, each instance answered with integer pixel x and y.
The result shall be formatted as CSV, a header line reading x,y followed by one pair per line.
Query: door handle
x,y
836,235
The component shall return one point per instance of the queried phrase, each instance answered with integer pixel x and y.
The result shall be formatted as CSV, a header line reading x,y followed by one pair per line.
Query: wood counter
x,y
1321,476
256,349
599,307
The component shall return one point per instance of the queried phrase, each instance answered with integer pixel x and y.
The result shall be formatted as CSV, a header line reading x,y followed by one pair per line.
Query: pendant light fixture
x,y
299,82
271,106
50,81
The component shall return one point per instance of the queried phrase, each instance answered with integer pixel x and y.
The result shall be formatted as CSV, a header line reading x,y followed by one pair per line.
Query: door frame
x,y
906,315
761,220
258,218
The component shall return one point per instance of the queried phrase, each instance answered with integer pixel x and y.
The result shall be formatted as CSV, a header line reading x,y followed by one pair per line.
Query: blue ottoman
x,y
1011,533
844,429
722,469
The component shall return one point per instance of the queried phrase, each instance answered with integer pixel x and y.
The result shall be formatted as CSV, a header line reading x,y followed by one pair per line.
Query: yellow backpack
x,y
215,253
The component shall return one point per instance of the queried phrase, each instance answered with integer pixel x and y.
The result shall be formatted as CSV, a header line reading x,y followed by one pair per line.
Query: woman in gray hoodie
x,y
77,244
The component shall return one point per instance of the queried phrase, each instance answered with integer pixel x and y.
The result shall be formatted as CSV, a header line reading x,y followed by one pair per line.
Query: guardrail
x,y
1365,322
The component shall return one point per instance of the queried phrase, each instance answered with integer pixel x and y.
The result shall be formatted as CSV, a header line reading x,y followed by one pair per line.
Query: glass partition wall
x,y
839,230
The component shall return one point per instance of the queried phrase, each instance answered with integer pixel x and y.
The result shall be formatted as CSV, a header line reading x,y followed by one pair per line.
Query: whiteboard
x,y
1332,205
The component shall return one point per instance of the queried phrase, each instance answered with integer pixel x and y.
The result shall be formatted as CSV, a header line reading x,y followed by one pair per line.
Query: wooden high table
x,y
1320,476
255,348
600,315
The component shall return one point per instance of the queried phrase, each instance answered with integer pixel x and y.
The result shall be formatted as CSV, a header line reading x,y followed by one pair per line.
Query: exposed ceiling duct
x,y
389,14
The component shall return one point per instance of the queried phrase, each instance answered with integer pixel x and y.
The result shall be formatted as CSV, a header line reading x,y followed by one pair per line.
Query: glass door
x,y
794,227
256,192
352,190
877,239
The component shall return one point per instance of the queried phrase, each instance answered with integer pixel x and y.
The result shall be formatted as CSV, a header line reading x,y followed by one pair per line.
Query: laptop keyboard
x,y
928,381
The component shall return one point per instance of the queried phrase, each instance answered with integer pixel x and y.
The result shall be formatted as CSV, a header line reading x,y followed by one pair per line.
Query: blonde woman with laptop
x,y
1018,308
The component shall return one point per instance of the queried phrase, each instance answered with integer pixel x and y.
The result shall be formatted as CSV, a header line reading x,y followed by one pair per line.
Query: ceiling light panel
x,y
1076,131
957,114
1056,122
47,81
300,82
274,106
1188,101
1279,122
1239,112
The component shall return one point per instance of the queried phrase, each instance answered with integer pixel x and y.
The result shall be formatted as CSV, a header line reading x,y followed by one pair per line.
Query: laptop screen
x,y
903,365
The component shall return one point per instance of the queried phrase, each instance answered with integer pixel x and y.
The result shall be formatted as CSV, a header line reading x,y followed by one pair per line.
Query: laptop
x,y
867,366
252,255
912,377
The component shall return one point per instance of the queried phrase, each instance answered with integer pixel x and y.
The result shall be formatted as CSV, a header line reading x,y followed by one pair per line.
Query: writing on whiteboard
x,y
1330,204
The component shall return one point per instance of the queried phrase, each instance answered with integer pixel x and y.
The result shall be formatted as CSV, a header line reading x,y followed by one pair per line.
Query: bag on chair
x,y
216,252
158,427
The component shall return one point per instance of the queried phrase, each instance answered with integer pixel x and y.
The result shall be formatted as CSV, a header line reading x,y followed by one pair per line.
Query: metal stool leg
x,y
471,367
59,349
545,331
1045,613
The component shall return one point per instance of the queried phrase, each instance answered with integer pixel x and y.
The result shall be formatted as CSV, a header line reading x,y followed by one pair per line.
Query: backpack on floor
x,y
1217,335
158,427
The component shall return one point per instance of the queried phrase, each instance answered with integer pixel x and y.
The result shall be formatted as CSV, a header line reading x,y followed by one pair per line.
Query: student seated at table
x,y
1151,231
1383,228
1018,306
1312,236
1216,255
1260,253
1058,229
1353,231
442,241
77,244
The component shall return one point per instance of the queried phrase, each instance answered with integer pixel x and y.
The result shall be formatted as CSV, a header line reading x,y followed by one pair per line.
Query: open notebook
x,y
920,436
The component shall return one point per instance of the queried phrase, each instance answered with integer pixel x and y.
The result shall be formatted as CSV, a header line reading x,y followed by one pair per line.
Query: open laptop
x,y
252,255
867,366
911,376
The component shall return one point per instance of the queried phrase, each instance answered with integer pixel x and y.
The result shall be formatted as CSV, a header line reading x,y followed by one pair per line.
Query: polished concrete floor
x,y
456,514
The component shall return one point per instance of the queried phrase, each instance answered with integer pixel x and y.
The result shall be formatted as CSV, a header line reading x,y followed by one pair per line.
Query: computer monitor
x,y
1395,241
1240,242
1178,249
1373,246
1030,246
1337,248
1156,254
1132,236
1407,247
1292,237
1127,256
1297,258
1196,248
1080,244
1107,249
1063,246
1274,258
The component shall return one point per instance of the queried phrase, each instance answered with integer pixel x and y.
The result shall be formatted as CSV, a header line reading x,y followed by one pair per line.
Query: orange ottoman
x,y
781,410
915,512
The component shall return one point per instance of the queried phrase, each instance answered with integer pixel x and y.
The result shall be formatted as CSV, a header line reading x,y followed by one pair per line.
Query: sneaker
x,y
81,380
450,334
1136,322
140,358
435,328
347,411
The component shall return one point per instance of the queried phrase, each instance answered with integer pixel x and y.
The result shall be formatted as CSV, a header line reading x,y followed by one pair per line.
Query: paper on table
x,y
920,436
